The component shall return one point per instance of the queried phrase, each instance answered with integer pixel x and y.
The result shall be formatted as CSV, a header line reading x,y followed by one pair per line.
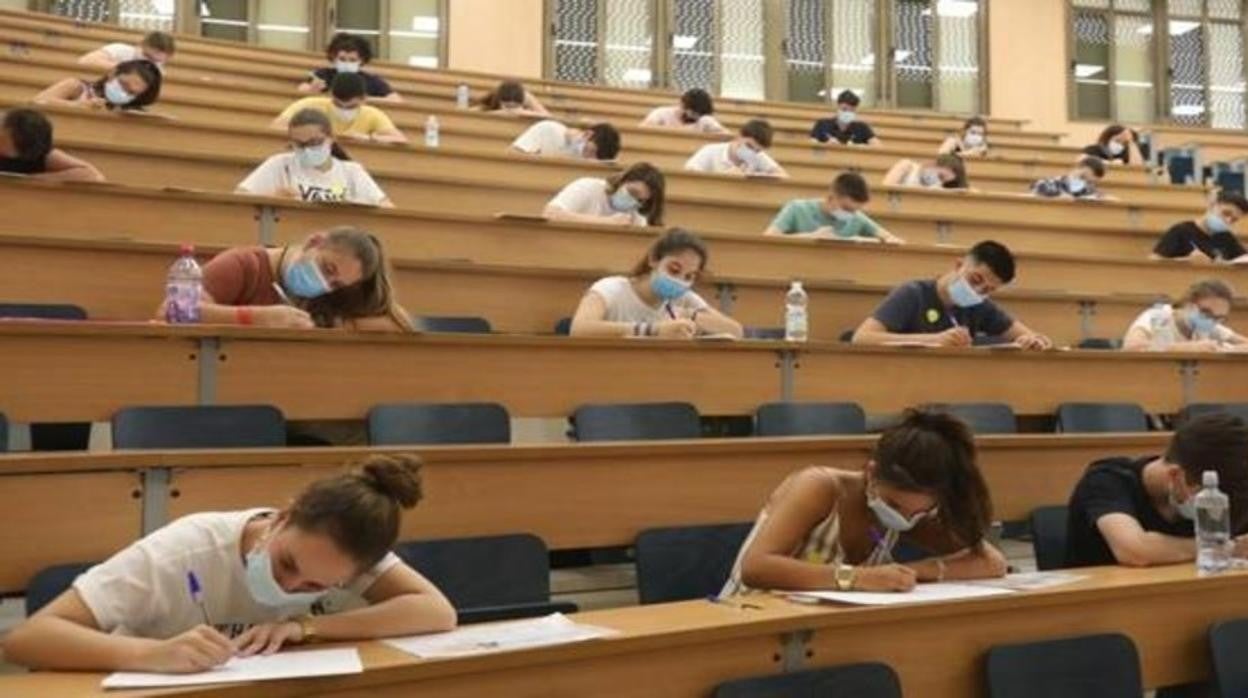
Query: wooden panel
x,y
59,518
224,489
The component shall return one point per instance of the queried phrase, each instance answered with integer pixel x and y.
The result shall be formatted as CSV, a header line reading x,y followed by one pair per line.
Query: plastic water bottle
x,y
432,138
796,323
1161,325
1213,526
461,96
183,288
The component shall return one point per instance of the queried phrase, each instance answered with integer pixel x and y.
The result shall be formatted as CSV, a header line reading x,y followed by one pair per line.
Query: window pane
x,y
151,15
742,64
84,10
1133,69
806,48
362,18
282,24
693,44
1133,5
853,49
912,31
1187,71
576,40
223,19
959,55
629,37
1224,9
1184,8
1226,75
1099,4
414,30
1091,65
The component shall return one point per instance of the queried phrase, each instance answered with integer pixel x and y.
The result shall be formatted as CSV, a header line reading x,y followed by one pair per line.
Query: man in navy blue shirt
x,y
844,127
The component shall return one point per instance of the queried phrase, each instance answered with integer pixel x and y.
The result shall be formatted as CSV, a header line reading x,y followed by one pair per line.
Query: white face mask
x,y
1115,148
973,139
345,113
347,66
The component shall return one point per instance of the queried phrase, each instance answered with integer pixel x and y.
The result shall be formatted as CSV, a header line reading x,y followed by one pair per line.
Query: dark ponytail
x,y
143,68
361,510
934,453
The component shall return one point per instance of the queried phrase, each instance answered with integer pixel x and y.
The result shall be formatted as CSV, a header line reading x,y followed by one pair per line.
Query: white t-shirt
x,y
1144,322
548,137
344,181
588,195
714,158
120,53
669,117
624,305
142,591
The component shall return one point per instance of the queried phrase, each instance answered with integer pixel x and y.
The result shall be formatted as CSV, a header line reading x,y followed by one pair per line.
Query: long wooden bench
x,y
687,648
301,372
622,488
117,280
198,57
108,211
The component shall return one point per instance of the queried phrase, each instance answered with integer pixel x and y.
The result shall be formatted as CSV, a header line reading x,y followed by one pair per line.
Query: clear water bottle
x,y
796,322
1213,526
432,137
461,96
183,288
1161,325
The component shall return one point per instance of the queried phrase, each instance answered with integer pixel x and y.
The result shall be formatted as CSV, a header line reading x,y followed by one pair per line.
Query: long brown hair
x,y
673,241
143,68
360,511
649,175
507,91
934,453
373,296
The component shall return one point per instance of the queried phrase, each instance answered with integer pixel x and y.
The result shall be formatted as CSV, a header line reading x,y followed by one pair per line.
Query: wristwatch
x,y
309,630
845,577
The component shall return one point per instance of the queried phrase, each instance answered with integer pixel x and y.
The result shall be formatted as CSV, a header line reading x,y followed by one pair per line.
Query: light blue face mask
x,y
963,294
1076,185
1216,224
623,201
314,156
666,286
303,278
892,519
116,94
846,118
748,156
263,586
930,178
1202,325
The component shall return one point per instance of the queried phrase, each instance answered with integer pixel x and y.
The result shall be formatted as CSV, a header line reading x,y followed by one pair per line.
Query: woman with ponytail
x,y
214,585
315,169
337,278
831,529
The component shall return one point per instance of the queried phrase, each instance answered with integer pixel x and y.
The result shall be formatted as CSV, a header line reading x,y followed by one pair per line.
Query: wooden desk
x,y
621,488
687,648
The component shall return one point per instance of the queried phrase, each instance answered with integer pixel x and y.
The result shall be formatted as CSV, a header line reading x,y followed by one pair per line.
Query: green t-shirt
x,y
807,216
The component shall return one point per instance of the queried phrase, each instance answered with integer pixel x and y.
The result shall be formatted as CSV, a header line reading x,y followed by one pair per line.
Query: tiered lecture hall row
x,y
1083,274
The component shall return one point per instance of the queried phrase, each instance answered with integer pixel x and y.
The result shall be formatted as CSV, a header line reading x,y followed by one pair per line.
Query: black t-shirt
x,y
23,167
915,308
374,86
1182,238
1097,150
1112,486
857,132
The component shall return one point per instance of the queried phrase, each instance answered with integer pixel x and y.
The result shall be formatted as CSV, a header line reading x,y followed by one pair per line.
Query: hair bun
x,y
395,475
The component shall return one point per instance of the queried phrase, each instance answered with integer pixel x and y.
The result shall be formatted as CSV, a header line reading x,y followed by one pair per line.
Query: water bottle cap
x,y
1209,478
795,284
187,249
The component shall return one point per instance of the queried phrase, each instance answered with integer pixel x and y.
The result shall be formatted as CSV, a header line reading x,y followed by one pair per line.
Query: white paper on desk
x,y
923,593
554,629
283,665
1029,581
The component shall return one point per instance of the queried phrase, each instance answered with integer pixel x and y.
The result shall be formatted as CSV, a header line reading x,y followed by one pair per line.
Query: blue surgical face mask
x,y
930,178
892,519
963,294
263,586
1201,324
846,118
748,156
347,66
314,156
623,201
1216,223
1076,184
666,286
303,278
116,94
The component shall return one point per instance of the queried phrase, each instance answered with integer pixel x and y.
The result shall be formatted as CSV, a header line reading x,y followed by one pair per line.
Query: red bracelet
x,y
243,315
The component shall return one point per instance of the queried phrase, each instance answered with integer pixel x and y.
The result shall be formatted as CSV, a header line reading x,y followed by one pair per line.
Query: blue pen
x,y
197,596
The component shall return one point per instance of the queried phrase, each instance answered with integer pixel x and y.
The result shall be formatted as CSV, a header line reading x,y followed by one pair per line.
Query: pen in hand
x,y
197,596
